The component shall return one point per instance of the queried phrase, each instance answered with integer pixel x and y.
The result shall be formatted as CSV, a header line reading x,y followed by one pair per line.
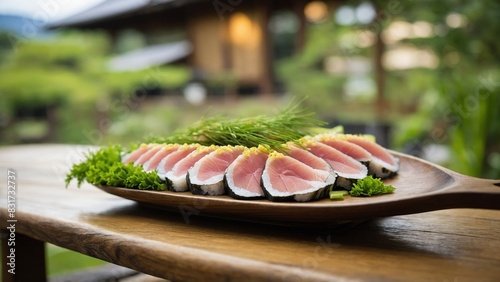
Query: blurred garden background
x,y
423,76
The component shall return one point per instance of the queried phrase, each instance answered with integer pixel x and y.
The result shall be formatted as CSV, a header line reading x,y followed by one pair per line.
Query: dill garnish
x,y
269,131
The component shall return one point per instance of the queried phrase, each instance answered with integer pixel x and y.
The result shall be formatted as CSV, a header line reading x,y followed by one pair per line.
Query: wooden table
x,y
451,245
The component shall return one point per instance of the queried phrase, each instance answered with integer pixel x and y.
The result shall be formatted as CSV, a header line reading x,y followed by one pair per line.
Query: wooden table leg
x,y
28,258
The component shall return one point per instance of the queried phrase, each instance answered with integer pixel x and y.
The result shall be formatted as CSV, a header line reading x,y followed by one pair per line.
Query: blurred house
x,y
217,39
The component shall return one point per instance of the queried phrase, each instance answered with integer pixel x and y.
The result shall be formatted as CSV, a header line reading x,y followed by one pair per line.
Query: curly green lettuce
x,y
370,186
104,167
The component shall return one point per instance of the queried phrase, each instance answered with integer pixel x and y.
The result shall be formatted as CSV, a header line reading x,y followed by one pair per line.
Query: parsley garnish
x,y
370,186
104,167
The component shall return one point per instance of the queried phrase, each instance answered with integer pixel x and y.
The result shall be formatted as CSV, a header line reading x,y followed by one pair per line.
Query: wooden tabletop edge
x,y
141,254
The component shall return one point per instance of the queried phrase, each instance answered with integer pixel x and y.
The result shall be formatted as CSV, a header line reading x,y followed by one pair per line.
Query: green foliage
x,y
477,41
66,54
272,131
62,261
222,79
166,77
473,121
67,73
149,120
7,45
420,102
105,157
30,129
458,102
52,72
304,73
70,50
72,67
104,167
32,87
370,186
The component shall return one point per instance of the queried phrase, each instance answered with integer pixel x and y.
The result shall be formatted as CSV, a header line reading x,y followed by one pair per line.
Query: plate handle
x,y
474,192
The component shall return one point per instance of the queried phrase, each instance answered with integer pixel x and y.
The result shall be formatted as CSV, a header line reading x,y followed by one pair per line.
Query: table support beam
x,y
28,258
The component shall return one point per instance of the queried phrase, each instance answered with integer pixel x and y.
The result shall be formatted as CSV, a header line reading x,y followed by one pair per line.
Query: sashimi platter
x,y
282,169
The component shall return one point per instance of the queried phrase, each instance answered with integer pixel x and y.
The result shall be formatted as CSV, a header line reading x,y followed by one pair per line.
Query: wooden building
x,y
226,36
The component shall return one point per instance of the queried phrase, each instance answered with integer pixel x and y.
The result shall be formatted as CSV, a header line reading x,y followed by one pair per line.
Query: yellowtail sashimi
x,y
176,177
168,162
285,178
243,176
382,164
348,170
206,177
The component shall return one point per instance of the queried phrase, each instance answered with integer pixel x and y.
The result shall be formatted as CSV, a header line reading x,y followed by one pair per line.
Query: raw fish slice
x,y
169,161
348,148
311,160
152,164
207,175
307,157
285,178
347,168
134,155
383,164
243,176
176,177
148,155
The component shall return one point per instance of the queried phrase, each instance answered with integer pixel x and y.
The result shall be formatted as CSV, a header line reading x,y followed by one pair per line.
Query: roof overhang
x,y
105,10
109,10
150,56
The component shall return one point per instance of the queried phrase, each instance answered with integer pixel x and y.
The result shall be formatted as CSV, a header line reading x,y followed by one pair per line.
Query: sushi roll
x,y
242,178
176,177
348,170
285,178
206,177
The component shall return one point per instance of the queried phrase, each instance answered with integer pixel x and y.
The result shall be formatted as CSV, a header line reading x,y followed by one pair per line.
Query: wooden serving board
x,y
420,186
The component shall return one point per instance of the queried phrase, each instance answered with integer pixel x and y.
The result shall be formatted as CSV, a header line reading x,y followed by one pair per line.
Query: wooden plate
x,y
420,186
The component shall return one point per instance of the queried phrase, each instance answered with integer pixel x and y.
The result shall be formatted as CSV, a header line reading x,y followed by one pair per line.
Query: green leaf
x,y
370,186
104,167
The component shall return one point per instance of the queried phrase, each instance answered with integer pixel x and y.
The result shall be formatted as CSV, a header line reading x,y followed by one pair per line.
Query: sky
x,y
45,10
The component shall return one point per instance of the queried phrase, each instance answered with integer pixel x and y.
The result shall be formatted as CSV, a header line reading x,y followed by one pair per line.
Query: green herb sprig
x,y
370,186
291,124
104,167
